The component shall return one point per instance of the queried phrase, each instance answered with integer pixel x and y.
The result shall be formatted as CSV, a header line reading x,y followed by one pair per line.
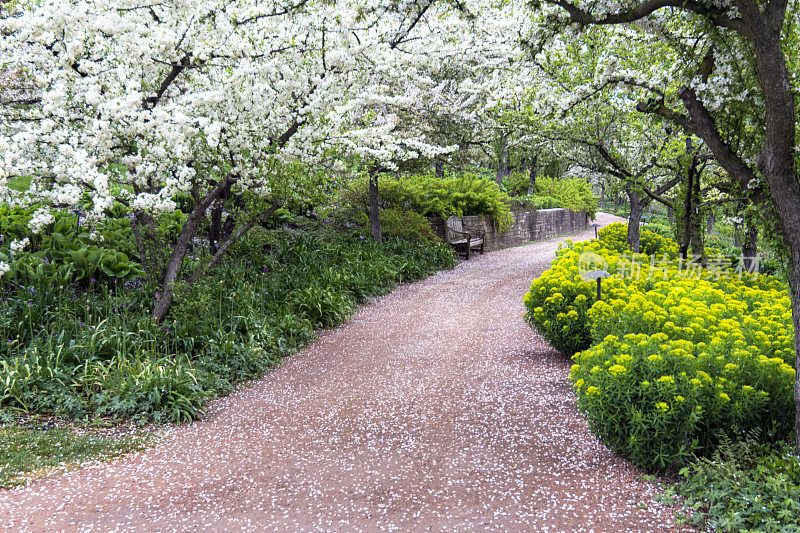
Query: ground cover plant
x,y
744,486
82,343
671,362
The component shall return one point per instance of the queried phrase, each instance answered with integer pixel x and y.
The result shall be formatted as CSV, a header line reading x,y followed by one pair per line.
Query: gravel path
x,y
435,408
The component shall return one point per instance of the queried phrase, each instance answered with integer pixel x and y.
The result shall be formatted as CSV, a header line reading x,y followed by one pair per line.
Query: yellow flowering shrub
x,y
559,299
670,364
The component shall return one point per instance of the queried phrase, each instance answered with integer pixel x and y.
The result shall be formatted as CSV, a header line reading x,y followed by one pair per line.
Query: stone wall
x,y
528,226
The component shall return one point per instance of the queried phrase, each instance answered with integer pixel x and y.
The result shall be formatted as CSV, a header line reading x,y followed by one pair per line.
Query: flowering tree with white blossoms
x,y
439,92
141,102
734,59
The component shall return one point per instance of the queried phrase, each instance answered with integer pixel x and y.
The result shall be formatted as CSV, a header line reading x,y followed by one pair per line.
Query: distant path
x,y
435,408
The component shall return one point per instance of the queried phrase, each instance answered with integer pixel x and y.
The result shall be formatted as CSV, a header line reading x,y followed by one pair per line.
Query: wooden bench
x,y
463,241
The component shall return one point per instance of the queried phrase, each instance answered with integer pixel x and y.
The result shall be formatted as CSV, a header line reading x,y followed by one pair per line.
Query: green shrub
x,y
463,195
571,193
672,363
402,224
516,184
533,202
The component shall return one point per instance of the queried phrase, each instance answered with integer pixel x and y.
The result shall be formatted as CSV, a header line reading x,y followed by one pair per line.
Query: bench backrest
x,y
454,224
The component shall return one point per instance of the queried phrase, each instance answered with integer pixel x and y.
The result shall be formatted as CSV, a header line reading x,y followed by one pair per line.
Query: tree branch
x,y
718,16
151,101
702,124
238,234
658,198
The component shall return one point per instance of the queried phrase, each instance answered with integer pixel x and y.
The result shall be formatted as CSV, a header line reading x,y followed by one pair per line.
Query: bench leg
x,y
469,247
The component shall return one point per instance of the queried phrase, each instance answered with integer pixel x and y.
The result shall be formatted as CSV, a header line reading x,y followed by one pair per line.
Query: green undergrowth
x,y
91,350
744,486
32,451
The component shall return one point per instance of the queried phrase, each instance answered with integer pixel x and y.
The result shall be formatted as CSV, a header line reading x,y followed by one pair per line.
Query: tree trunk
x,y
163,300
374,207
438,168
750,245
794,283
229,241
696,235
215,234
532,177
712,221
634,220
687,210
502,161
737,228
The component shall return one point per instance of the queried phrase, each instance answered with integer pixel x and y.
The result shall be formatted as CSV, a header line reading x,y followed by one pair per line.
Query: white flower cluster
x,y
19,245
4,267
41,218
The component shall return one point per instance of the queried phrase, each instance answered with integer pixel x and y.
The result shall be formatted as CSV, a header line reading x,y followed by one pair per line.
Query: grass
x,y
28,452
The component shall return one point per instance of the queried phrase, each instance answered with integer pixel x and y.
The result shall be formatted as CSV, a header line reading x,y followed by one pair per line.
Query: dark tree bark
x,y
374,206
438,168
215,233
696,227
634,220
688,209
502,161
750,244
163,300
532,176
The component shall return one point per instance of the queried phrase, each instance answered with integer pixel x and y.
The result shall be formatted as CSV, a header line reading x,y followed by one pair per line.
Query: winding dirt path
x,y
435,408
